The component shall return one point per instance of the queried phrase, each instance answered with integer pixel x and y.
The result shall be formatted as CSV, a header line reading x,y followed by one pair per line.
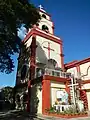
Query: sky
x,y
72,24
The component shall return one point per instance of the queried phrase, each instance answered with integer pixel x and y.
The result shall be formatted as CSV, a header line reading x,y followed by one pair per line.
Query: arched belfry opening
x,y
44,16
45,28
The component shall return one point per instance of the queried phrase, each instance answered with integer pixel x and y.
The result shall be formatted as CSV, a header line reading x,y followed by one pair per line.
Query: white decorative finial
x,y
40,7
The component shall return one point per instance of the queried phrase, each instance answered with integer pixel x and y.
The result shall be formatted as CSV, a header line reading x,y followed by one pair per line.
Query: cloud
x,y
22,31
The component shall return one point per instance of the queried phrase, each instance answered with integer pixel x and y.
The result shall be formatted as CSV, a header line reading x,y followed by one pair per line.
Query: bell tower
x,y
42,70
49,47
46,49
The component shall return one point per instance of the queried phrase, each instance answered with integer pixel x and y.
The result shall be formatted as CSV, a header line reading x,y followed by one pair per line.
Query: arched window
x,y
45,28
44,16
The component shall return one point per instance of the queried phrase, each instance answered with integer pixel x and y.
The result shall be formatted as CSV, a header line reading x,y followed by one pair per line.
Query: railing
x,y
47,71
53,72
62,108
57,73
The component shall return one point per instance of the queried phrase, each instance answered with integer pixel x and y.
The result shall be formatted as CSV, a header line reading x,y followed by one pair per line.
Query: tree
x,y
13,13
8,92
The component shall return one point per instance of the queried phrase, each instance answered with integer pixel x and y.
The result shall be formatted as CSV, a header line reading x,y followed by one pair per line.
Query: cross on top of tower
x,y
41,8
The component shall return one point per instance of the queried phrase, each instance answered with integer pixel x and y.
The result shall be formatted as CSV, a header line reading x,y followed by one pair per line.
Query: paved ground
x,y
19,115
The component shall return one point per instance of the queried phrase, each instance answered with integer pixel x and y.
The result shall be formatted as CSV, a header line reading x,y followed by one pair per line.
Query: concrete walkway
x,y
21,115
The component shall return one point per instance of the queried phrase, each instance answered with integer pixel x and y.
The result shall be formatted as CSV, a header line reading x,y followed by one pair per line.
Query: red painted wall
x,y
45,95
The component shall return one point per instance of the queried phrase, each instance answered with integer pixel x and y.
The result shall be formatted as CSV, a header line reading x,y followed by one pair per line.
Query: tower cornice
x,y
39,32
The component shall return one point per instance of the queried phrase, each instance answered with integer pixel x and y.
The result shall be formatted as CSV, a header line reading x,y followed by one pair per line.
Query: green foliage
x,y
70,110
12,14
51,110
8,93
74,111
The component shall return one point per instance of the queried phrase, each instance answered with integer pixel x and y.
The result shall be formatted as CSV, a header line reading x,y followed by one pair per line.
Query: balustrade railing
x,y
57,73
47,71
53,72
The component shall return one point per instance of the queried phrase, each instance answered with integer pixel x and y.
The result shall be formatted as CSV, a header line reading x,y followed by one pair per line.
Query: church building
x,y
43,80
